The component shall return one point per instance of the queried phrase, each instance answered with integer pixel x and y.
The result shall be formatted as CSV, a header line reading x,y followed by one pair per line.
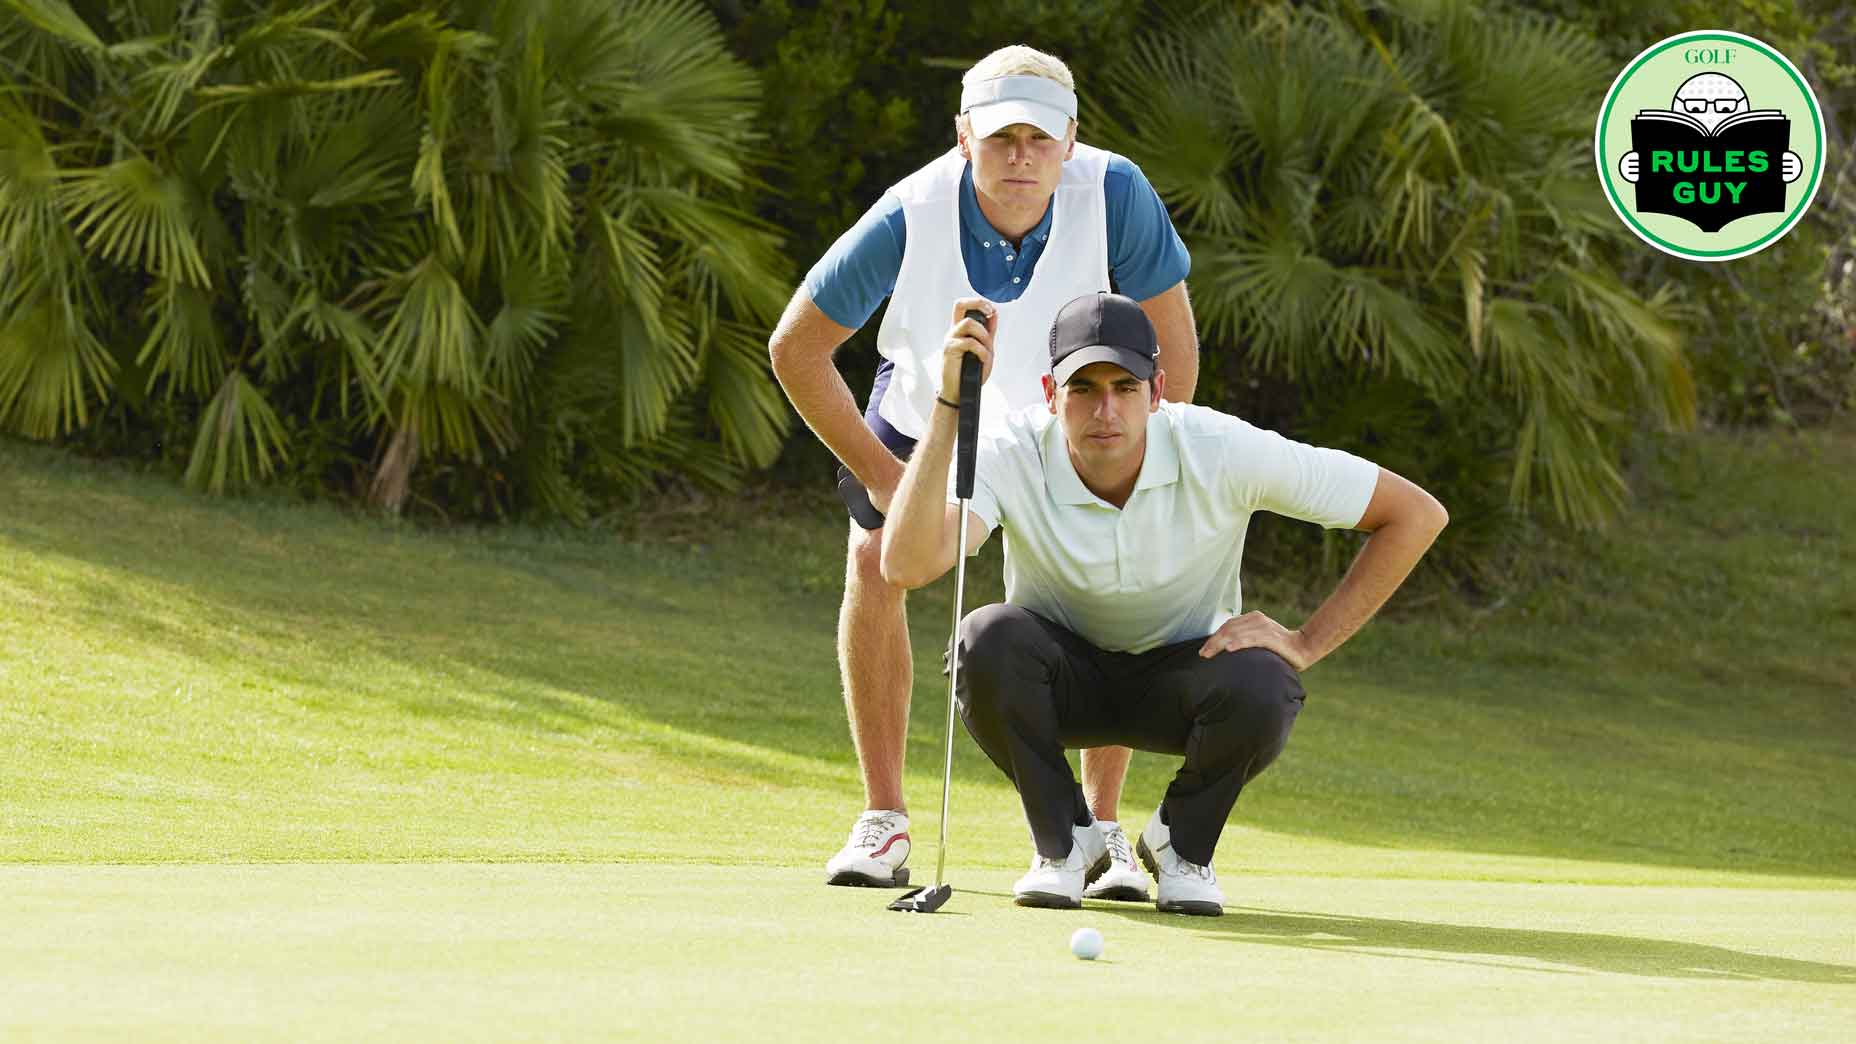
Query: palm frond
x,y
669,94
155,18
133,213
1183,134
736,251
240,441
430,178
1564,453
1391,331
57,19
51,367
354,338
745,405
167,86
652,371
357,157
533,312
266,301
1523,355
296,87
184,344
38,254
432,334
1646,346
450,421
488,230
623,263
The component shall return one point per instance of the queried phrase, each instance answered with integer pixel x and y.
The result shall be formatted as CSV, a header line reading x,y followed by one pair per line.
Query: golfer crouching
x,y
1122,623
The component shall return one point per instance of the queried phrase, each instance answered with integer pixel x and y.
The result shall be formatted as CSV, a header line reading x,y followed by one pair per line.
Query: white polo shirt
x,y
1163,568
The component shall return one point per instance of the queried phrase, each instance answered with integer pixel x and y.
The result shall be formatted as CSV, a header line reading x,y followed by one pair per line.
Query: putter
x,y
929,898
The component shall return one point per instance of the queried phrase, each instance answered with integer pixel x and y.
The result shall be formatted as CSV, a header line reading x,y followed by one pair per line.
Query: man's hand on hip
x,y
1254,630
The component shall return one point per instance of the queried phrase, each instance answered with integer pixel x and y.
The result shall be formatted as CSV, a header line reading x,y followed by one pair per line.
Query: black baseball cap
x,y
1102,327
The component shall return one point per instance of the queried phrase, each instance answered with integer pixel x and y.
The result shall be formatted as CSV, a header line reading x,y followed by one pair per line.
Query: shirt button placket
x,y
1121,550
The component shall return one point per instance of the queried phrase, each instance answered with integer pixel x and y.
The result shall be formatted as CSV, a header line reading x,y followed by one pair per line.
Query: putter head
x,y
925,899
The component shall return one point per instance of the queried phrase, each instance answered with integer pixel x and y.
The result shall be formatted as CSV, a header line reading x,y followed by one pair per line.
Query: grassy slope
x,y
196,680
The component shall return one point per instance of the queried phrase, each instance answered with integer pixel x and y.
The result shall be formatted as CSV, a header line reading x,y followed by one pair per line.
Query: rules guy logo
x,y
1689,162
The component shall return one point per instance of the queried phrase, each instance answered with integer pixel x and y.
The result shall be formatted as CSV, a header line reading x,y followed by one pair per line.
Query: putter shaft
x,y
953,680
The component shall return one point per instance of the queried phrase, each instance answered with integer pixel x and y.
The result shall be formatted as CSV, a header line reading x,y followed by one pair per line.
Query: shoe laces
x,y
870,829
1188,868
1118,848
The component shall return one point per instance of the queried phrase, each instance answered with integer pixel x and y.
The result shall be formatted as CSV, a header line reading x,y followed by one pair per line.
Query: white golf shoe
x,y
874,853
1185,887
1116,875
1058,883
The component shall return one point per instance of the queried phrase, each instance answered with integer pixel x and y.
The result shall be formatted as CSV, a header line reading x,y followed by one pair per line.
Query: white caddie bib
x,y
933,276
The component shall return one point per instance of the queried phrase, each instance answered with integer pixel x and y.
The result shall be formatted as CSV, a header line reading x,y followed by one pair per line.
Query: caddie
x,y
1123,621
1023,217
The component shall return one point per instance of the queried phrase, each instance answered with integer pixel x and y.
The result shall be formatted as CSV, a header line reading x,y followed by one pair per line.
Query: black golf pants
x,y
1029,689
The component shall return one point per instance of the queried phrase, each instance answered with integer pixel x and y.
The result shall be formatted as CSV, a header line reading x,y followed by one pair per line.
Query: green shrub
x,y
1772,335
488,255
1395,211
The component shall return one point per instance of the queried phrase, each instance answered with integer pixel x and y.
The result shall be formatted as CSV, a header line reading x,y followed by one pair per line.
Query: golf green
x,y
676,952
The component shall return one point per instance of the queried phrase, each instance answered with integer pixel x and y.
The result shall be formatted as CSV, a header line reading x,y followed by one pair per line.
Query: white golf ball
x,y
1086,943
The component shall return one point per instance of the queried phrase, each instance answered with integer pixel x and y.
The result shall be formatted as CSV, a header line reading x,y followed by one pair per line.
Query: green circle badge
x,y
1710,145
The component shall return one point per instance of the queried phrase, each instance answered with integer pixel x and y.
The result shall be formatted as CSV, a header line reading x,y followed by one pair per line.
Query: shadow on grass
x,y
720,655
1560,952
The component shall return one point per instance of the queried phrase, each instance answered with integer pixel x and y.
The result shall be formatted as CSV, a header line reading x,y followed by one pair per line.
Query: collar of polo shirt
x,y
1159,465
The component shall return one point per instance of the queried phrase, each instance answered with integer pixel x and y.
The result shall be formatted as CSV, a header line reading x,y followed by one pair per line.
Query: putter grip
x,y
966,444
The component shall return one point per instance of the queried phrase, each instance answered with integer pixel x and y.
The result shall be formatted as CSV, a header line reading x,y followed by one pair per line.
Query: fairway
x,y
270,770
525,952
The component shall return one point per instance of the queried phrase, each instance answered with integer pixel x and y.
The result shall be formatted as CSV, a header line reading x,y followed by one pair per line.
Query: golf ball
x,y
1086,943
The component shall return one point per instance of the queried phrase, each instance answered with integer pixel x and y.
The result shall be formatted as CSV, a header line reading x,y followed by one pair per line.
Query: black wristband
x,y
950,405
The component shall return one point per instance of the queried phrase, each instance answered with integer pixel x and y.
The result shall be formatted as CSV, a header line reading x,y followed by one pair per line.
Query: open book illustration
x,y
1710,179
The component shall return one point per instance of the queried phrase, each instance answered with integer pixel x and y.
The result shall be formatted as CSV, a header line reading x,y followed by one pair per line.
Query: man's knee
x,y
1258,686
865,561
995,637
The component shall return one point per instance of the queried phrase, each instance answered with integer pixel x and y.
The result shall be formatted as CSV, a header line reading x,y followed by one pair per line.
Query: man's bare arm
x,y
1171,313
923,530
1404,520
801,348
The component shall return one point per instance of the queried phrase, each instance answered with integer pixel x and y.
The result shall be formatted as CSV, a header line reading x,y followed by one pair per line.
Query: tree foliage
x,y
1393,210
493,248
498,256
1773,335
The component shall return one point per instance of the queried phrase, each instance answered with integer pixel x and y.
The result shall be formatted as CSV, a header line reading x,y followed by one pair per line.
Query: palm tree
x,y
499,238
1406,196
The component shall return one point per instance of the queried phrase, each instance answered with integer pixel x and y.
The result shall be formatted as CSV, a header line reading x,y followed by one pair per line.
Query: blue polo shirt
x,y
1145,255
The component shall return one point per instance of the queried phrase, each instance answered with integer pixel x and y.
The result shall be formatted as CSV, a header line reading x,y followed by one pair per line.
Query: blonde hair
x,y
1019,60
1015,60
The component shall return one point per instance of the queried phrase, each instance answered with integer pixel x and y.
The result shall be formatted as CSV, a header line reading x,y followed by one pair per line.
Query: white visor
x,y
1005,100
